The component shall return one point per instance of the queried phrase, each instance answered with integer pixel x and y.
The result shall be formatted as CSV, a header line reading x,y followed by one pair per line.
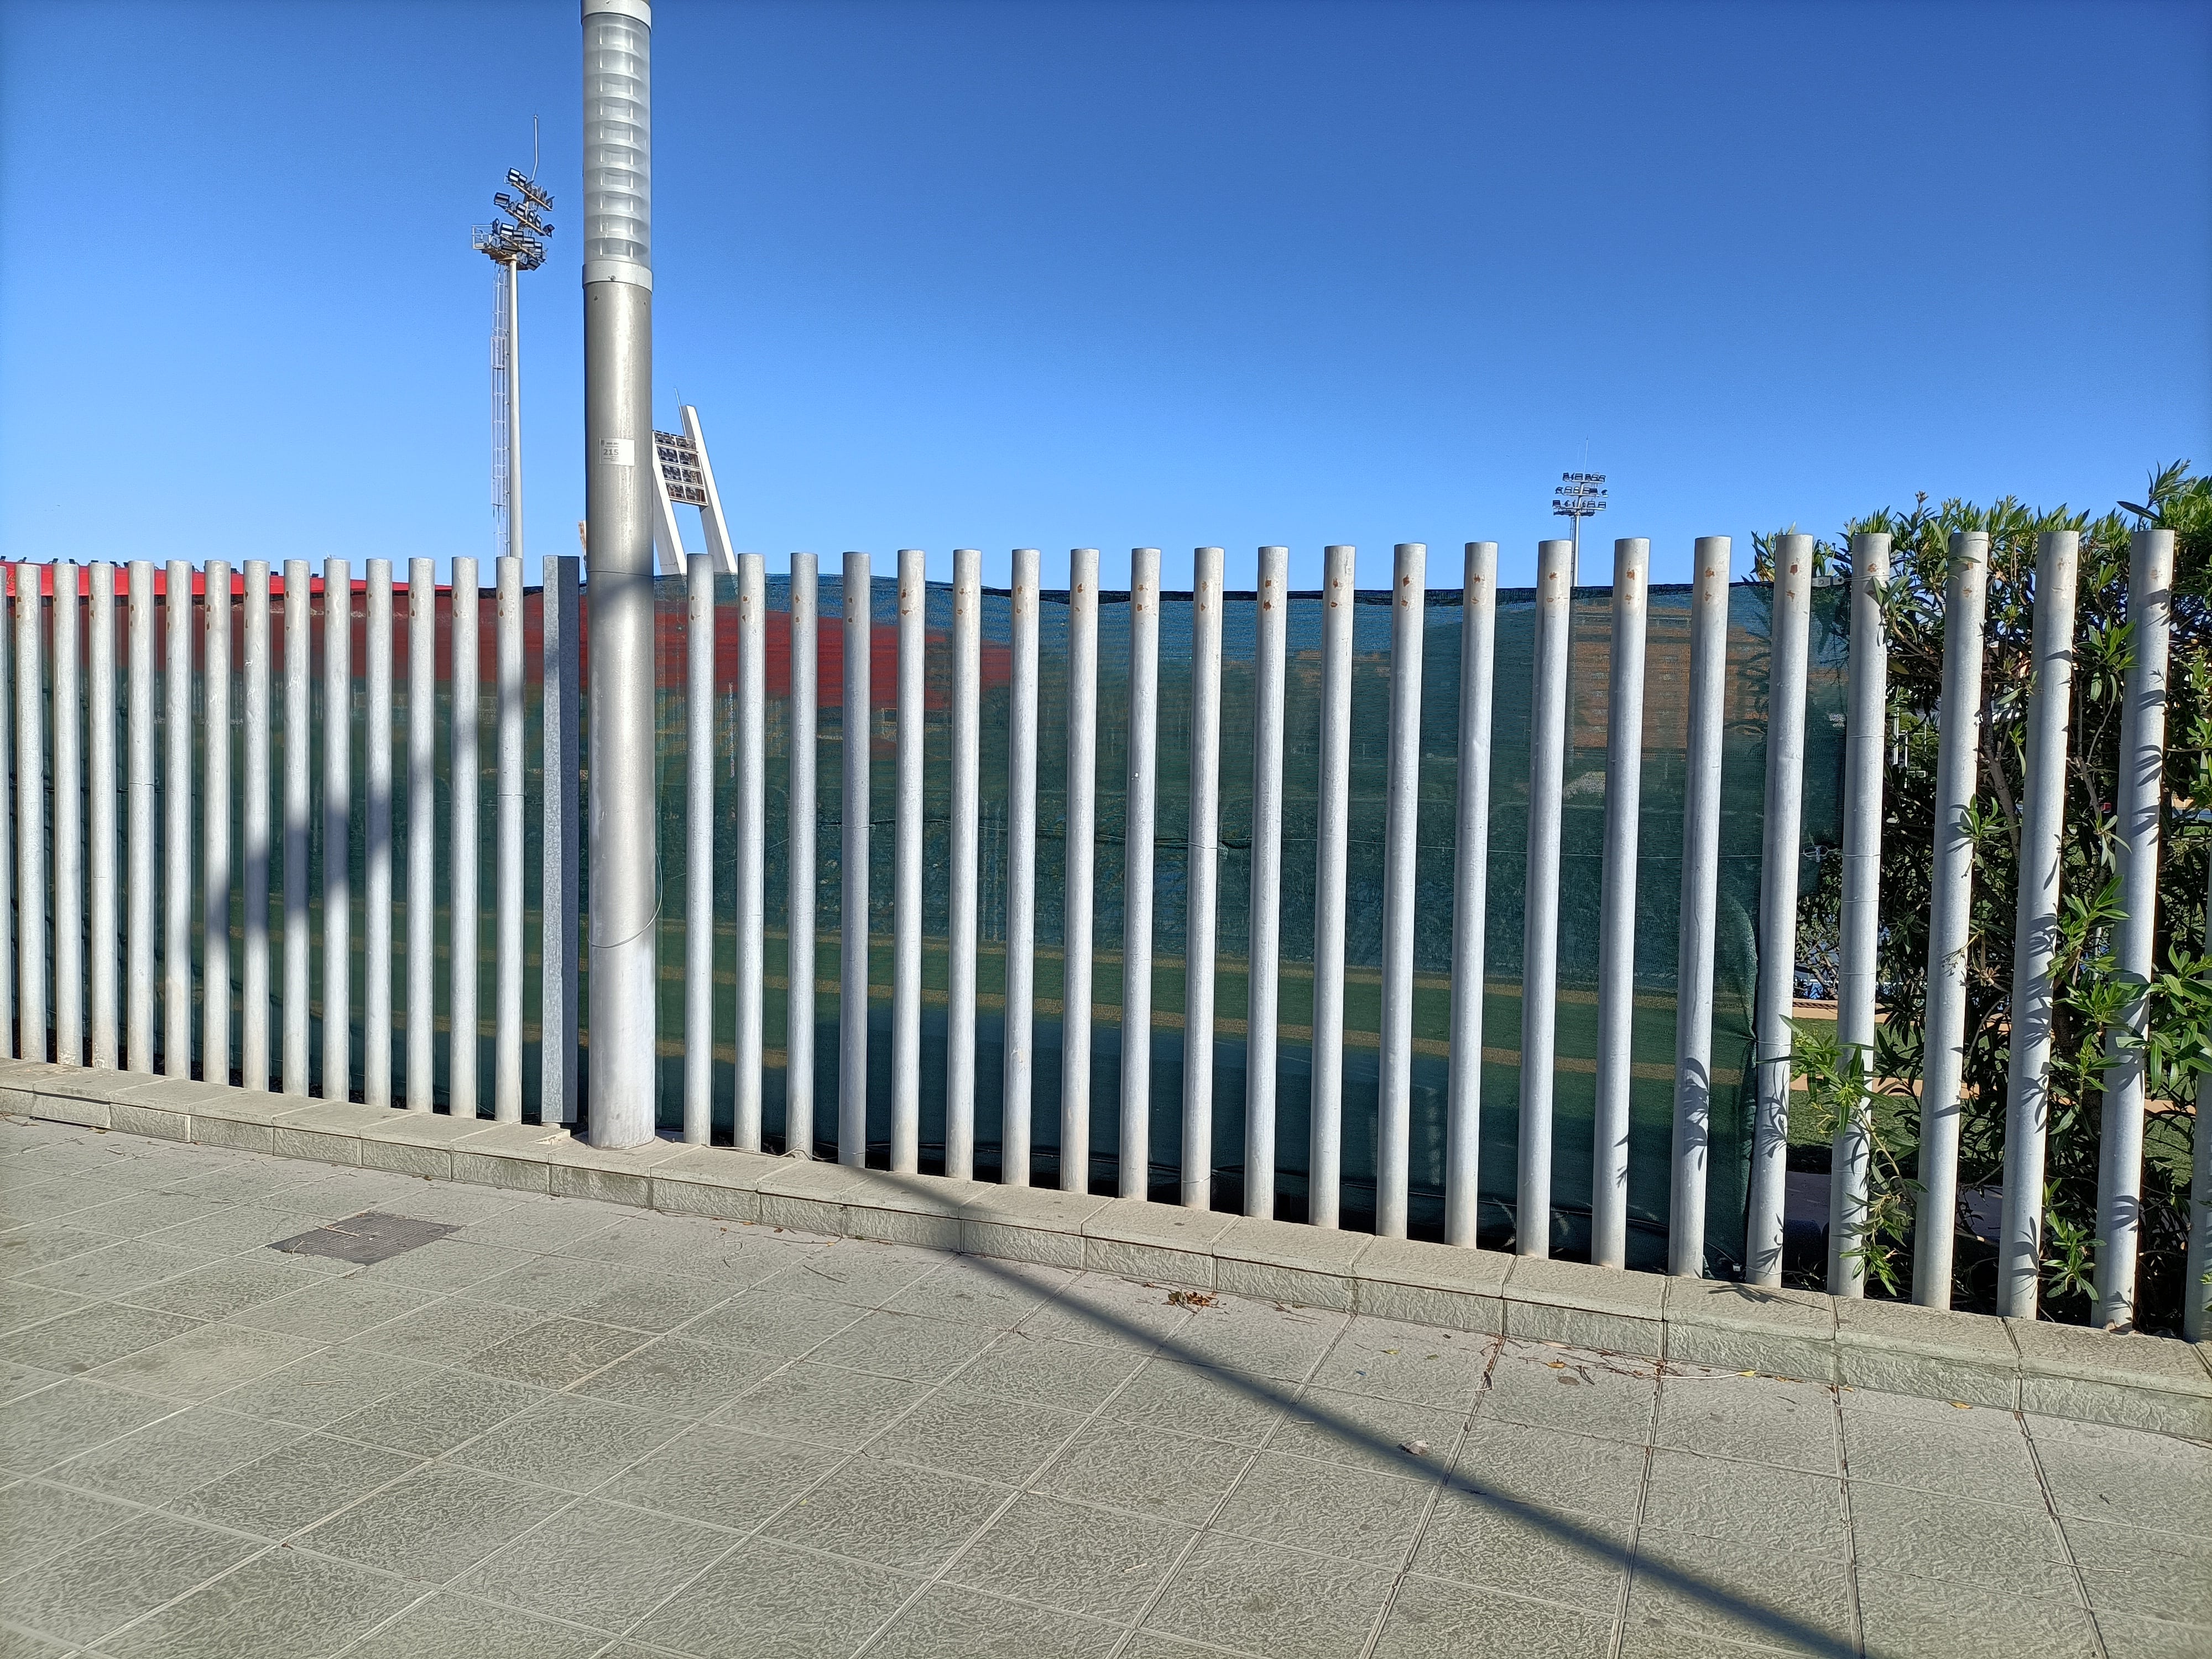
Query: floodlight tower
x,y
513,249
1580,496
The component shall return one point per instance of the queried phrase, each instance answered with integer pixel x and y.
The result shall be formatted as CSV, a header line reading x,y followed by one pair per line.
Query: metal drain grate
x,y
368,1237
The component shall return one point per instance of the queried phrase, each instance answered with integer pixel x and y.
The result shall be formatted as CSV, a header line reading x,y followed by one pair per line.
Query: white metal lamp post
x,y
514,248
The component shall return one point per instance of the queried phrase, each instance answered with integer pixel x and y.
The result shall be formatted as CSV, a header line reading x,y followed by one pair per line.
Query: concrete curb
x,y
2061,1370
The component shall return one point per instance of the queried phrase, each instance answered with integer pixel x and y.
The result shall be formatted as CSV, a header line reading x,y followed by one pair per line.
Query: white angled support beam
x,y
1616,971
506,950
1701,875
67,813
1470,893
422,832
716,527
104,918
1332,836
299,833
1202,880
2035,927
1950,890
1140,816
906,869
376,842
1263,993
1400,885
1078,902
466,773
1789,637
856,597
1540,935
699,852
804,871
139,828
752,737
1020,1087
967,816
2140,804
254,839
336,733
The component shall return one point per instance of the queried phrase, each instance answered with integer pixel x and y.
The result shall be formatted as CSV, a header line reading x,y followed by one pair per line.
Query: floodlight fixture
x,y
1579,495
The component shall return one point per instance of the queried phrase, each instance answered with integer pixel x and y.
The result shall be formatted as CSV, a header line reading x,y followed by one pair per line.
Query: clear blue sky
x,y
1048,274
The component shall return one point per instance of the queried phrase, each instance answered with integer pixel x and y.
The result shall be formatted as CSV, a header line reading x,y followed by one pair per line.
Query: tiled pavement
x,y
569,1429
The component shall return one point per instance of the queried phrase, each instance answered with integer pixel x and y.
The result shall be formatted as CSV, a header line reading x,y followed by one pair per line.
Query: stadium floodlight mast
x,y
1580,496
513,247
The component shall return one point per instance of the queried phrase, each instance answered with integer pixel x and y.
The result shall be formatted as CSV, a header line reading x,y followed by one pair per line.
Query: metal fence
x,y
1425,911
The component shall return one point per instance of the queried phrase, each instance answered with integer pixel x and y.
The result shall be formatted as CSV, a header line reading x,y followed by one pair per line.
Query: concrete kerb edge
x,y
1802,1334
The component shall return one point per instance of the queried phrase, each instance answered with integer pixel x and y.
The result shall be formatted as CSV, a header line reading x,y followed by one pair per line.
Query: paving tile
x,y
116,1270
554,1352
2131,1569
653,1302
722,1476
2126,1475
1579,1560
1102,1310
42,1428
1954,1539
1744,1590
1720,1497
823,1404
206,1360
175,1454
22,1644
774,1319
433,1525
1369,1431
450,1626
446,1331
896,1345
1265,1599
92,1335
1549,1385
977,1291
40,1520
742,1608
436,1413
859,1274
1413,1362
325,1386
2134,1636
570,1442
123,1572
1286,1344
24,1305
539,1224
240,1227
1354,1514
888,1514
727,1251
293,1486
1213,1405
285,1605
680,1377
448,1265
950,1621
1550,1470
31,1201
27,1249
334,1309
17,1379
129,1214
1989,1460
450,1203
1145,1470
1075,1376
1909,1617
226,1287
598,1563
977,1435
1102,1563
1430,1617
1757,1419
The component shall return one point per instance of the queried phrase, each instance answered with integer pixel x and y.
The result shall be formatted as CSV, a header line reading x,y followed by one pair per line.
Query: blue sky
x,y
1049,274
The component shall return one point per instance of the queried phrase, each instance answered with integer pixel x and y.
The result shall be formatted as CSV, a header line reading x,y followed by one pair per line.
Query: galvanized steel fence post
x,y
507,985
967,806
177,819
804,874
1470,893
298,612
1264,967
856,596
699,852
560,1093
1332,836
466,773
253,1022
337,829
906,869
422,833
1019,1089
138,828
99,756
68,822
1078,901
1540,931
1402,798
1138,817
1202,880
1616,965
11,1009
751,739
376,845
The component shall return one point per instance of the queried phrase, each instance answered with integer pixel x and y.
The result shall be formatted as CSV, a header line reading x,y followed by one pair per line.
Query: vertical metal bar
x,y
1951,885
1262,1019
1333,834
507,985
254,1025
2035,927
299,745
752,843
422,832
1701,875
465,944
176,825
9,1009
376,847
966,812
906,872
1616,970
699,852
1789,636
69,820
2197,1271
215,828
804,872
559,1092
138,852
1079,908
1540,936
104,936
1471,893
1021,872
31,913
1868,714
1202,880
1402,798
856,596
2140,799
1140,816
337,829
